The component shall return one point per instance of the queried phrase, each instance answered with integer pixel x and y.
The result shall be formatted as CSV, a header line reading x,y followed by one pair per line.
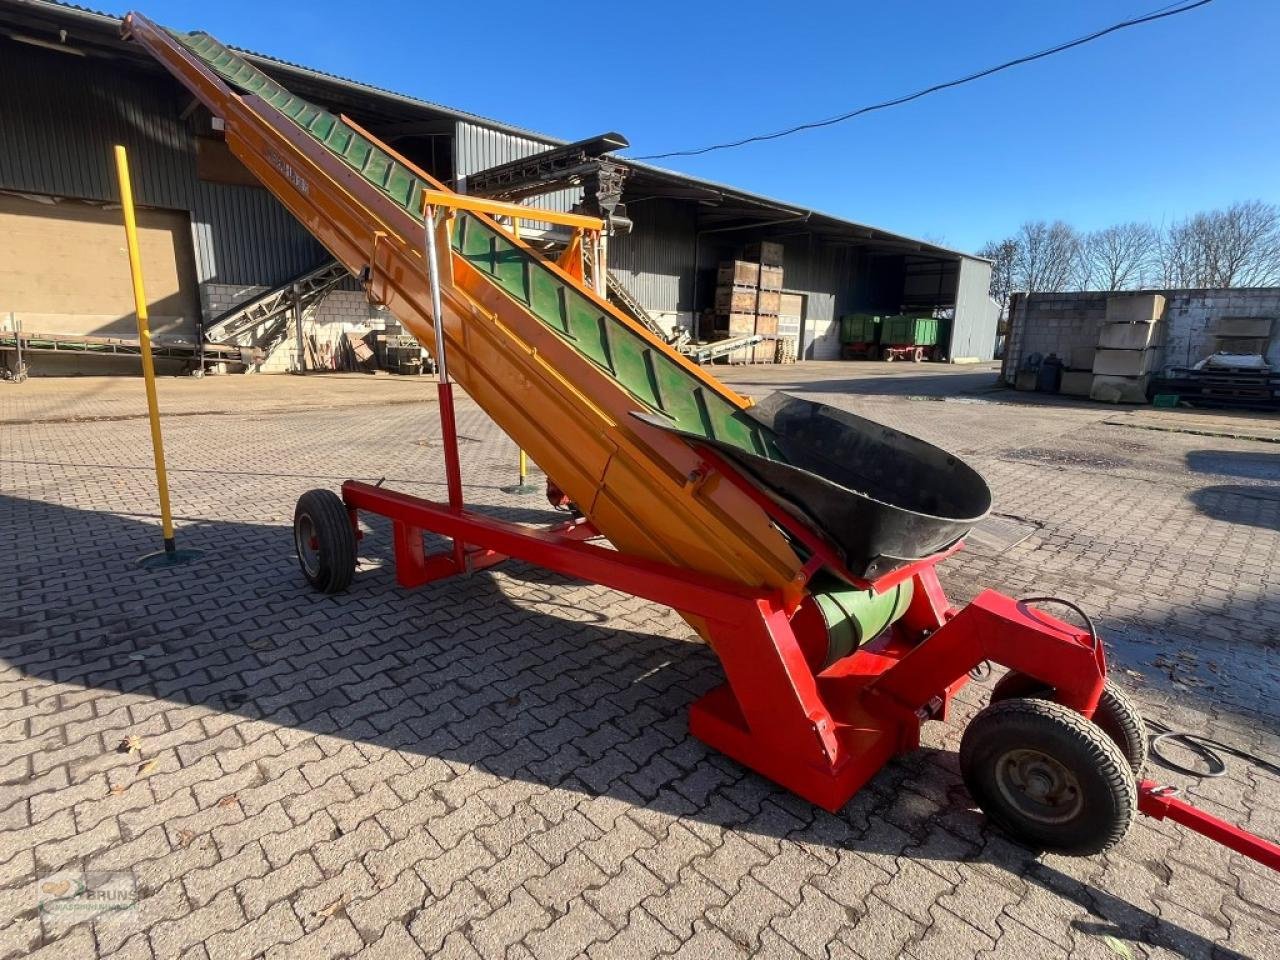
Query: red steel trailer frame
x,y
859,350
908,351
819,732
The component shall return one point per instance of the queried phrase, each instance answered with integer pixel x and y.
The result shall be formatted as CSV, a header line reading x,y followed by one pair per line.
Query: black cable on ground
x,y
1207,748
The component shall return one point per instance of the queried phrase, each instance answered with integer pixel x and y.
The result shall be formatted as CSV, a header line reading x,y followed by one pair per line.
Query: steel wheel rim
x,y
1038,787
308,544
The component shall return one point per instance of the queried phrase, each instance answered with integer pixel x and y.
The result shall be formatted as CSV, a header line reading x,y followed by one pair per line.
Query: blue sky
x,y
1150,123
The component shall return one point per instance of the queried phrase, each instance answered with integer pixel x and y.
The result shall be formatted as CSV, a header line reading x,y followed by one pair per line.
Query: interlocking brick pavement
x,y
499,765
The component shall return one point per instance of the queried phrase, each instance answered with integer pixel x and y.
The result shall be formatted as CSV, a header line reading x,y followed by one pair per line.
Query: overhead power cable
x,y
897,101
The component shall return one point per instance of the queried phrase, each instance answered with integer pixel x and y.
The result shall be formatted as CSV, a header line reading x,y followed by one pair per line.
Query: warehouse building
x,y
212,238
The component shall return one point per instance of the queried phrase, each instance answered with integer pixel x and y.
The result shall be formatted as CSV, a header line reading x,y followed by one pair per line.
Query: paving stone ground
x,y
499,766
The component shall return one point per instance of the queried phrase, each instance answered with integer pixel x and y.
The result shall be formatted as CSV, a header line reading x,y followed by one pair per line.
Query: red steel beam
x,y
1159,802
685,590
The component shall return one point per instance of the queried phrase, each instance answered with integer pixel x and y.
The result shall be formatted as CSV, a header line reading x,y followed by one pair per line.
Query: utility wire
x,y
1068,45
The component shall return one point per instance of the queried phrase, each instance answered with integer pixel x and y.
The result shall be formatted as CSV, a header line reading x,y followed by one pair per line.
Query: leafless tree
x,y
1178,252
1118,257
1083,269
1003,254
1235,247
1048,255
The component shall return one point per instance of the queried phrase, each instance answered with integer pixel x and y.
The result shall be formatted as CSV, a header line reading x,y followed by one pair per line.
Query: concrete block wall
x,y
340,312
1068,323
670,320
217,298
1190,315
1063,323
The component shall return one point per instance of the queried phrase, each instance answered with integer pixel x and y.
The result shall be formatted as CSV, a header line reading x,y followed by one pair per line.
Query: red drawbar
x,y
1159,802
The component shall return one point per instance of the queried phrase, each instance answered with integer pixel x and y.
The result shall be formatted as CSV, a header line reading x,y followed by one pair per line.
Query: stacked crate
x,y
749,298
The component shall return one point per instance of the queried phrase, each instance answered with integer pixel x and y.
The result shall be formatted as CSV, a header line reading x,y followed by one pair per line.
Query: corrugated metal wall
x,y
60,116
478,148
973,332
655,261
825,273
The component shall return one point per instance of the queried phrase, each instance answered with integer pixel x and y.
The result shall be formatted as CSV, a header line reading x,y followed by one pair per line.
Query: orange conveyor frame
x,y
632,480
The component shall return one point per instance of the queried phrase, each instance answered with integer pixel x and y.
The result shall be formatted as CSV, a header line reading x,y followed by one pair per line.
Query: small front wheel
x,y
1115,714
325,540
1048,777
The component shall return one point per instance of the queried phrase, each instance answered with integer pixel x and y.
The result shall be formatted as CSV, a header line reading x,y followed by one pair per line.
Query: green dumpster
x,y
859,328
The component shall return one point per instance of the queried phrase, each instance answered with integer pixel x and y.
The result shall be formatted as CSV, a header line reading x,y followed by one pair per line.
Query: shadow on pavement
x,y
924,383
1235,463
521,685
1254,506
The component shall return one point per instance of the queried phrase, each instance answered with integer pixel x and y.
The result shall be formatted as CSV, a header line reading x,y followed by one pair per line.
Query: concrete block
x,y
1079,357
1242,326
1076,383
1135,308
1107,389
1124,363
1128,336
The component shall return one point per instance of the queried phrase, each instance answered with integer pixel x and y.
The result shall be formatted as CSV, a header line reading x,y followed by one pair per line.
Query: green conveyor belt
x,y
650,372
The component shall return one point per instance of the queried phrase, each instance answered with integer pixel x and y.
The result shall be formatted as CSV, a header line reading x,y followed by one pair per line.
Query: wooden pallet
x,y
1224,386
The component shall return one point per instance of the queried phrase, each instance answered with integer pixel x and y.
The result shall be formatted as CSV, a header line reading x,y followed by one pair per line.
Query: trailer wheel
x,y
325,540
1116,714
1048,777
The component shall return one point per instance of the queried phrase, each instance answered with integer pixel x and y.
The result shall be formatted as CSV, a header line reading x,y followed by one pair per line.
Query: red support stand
x,y
449,440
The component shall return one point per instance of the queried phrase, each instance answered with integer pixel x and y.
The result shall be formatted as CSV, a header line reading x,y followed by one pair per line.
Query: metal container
x,y
910,331
859,328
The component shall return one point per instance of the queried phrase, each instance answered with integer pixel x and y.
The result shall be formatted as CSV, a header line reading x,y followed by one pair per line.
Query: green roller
x,y
855,616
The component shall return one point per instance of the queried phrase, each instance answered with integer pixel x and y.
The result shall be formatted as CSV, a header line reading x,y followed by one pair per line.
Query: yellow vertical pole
x,y
144,342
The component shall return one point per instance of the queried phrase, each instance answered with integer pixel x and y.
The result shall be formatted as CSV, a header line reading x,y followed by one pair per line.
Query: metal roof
x,y
56,10
391,104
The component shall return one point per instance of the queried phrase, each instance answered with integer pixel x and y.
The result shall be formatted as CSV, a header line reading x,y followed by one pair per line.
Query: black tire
x,y
1048,777
324,540
1116,714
